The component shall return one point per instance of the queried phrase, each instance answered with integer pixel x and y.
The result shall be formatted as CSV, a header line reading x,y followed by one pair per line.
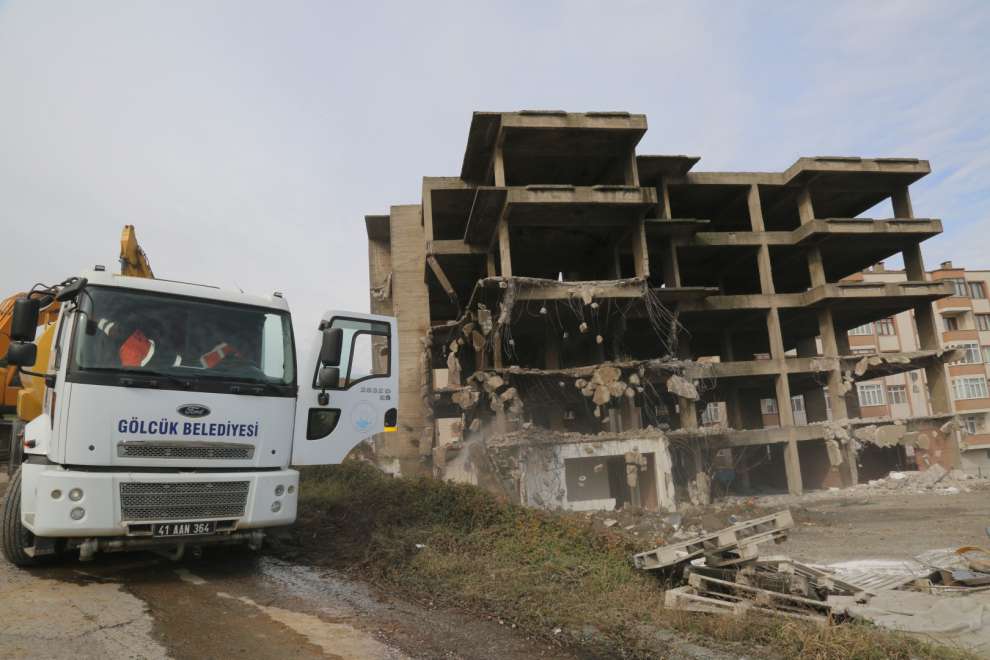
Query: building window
x,y
870,394
712,414
969,387
769,406
986,353
973,424
797,403
983,321
970,353
886,327
951,323
976,290
866,329
896,394
959,286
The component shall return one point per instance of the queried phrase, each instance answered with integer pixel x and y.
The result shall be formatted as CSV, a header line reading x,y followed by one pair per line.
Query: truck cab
x,y
174,414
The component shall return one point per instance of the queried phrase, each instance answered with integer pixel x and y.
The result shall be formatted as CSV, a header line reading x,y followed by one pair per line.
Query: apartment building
x,y
964,325
587,327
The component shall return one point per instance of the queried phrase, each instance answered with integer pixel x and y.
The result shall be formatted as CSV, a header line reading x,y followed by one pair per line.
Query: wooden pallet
x,y
689,600
748,533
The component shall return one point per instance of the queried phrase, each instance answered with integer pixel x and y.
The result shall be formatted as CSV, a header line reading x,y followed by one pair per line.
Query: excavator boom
x,y
133,260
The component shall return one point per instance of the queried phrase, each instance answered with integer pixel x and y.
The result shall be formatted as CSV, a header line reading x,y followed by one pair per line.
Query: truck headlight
x,y
292,489
56,494
75,494
279,489
276,506
77,513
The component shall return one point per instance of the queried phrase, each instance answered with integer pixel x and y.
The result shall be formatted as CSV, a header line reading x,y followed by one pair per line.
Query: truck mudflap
x,y
88,548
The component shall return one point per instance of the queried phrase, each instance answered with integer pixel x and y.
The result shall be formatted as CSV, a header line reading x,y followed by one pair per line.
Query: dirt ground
x,y
896,526
831,526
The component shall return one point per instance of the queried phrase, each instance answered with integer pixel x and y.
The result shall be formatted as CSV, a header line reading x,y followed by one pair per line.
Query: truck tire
x,y
14,537
16,456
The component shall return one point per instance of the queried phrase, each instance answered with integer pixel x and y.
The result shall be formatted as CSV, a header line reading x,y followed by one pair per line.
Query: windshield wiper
x,y
265,385
148,373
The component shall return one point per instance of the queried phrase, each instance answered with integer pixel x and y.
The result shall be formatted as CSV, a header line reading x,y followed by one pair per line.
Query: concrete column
x,y
640,253
776,337
631,171
900,199
503,248
687,412
755,208
671,269
831,337
792,460
663,192
408,256
498,163
928,332
806,211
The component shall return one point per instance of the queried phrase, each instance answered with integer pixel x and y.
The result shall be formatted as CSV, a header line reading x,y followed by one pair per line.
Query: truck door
x,y
332,418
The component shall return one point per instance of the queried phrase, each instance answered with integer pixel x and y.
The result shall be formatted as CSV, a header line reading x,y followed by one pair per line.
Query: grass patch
x,y
458,546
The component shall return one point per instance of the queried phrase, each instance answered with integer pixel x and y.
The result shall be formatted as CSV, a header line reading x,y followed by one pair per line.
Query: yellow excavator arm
x,y
133,260
24,391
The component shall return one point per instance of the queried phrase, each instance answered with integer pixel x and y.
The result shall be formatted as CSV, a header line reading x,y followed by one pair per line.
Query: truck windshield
x,y
134,331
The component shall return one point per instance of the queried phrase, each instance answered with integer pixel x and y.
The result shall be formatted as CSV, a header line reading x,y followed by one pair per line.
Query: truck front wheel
x,y
15,539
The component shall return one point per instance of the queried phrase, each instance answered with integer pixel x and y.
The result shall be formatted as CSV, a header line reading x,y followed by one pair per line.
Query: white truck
x,y
174,413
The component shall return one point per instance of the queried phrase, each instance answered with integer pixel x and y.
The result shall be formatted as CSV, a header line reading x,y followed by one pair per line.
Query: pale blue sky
x,y
247,140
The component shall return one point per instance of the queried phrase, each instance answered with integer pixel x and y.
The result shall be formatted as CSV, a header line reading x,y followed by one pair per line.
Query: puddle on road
x,y
338,640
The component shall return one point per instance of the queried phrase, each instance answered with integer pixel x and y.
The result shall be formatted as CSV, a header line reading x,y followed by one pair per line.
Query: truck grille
x,y
218,450
182,501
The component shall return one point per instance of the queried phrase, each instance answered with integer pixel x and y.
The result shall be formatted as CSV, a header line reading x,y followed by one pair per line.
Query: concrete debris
x,y
485,319
700,489
682,387
453,369
477,341
466,398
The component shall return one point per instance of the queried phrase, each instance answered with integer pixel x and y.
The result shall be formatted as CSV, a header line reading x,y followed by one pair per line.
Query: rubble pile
x,y
723,572
934,479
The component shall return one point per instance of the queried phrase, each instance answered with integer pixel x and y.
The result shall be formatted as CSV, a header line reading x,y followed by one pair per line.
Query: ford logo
x,y
193,410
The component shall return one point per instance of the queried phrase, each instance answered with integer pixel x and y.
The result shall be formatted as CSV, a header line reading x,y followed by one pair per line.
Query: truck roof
x,y
203,291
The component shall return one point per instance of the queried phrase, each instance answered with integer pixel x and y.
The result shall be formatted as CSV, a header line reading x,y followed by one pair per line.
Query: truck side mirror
x,y
22,354
333,342
24,321
328,378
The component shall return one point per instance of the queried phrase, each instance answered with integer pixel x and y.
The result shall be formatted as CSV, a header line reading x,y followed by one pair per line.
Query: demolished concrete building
x,y
568,309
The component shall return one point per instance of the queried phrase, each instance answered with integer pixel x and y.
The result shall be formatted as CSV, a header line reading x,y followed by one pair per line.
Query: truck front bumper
x,y
130,503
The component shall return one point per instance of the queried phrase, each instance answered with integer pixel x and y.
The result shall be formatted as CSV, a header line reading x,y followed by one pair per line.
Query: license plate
x,y
184,528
